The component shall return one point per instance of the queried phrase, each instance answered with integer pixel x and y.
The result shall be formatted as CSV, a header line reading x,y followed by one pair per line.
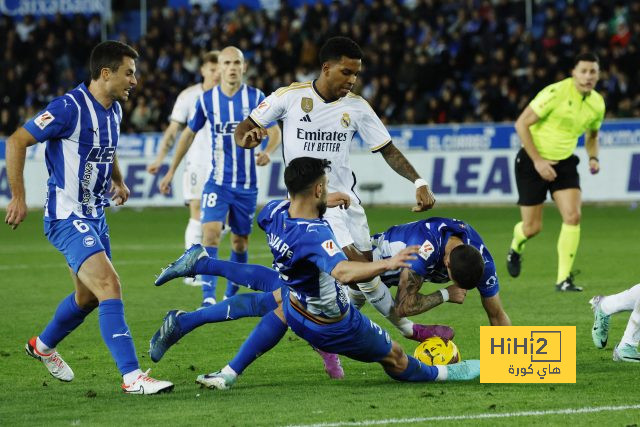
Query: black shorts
x,y
532,189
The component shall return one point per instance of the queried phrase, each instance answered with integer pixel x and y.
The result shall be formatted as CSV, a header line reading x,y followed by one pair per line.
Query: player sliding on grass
x,y
314,304
449,249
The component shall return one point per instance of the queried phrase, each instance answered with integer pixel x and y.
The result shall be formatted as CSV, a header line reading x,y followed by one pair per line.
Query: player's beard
x,y
322,208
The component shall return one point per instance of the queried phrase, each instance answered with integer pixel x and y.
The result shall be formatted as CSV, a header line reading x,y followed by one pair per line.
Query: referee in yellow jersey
x,y
549,129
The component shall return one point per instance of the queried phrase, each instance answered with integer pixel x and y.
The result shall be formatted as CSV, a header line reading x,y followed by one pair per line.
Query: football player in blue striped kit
x,y
311,265
81,130
231,191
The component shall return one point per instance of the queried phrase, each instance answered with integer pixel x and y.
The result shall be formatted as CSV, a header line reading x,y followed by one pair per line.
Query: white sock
x,y
623,301
357,298
228,370
378,295
403,324
193,233
130,377
632,333
42,347
443,373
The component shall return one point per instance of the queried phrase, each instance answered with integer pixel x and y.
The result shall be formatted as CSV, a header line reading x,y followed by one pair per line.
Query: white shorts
x,y
350,226
193,179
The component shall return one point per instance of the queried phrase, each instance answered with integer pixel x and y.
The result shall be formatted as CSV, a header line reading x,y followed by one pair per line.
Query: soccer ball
x,y
437,351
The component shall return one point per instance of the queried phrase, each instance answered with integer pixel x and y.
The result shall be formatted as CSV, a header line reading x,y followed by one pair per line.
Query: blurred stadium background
x,y
448,77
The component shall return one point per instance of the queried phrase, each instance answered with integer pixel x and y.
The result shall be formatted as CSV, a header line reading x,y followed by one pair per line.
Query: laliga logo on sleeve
x,y
43,120
263,106
330,247
426,250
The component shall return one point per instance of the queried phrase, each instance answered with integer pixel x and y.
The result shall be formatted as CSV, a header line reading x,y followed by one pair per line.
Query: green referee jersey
x,y
565,114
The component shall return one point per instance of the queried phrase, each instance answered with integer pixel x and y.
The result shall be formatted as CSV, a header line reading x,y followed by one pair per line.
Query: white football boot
x,y
57,367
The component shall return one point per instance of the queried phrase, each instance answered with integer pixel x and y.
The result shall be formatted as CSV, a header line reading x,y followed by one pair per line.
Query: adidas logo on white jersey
x,y
306,118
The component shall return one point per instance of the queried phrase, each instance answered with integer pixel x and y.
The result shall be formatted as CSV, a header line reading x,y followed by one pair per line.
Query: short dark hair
x,y
109,55
587,56
337,47
467,266
211,56
303,172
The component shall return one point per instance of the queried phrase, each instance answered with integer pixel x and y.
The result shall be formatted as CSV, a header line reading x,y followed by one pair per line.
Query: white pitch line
x,y
568,411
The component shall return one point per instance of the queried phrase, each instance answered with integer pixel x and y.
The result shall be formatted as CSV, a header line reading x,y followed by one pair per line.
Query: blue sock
x,y
255,277
209,281
116,335
236,307
67,317
416,372
239,257
264,336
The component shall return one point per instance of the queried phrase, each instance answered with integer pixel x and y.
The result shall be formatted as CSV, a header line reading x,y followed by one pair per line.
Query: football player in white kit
x,y
319,119
198,162
604,306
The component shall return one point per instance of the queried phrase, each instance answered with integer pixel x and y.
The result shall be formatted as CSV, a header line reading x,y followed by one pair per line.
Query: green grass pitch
x,y
288,386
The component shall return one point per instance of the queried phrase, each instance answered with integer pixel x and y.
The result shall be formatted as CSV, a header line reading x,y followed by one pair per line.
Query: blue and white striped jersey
x,y
232,165
432,235
81,137
305,251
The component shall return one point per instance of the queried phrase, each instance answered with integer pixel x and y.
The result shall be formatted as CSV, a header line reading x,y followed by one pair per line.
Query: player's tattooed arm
x,y
399,163
409,300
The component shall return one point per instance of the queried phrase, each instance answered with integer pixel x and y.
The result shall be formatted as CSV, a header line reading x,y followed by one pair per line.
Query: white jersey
x,y
320,129
200,151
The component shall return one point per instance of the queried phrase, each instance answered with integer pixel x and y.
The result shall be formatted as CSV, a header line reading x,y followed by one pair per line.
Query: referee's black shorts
x,y
532,189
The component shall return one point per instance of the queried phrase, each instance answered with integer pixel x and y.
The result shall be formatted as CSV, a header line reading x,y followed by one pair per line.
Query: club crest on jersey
x,y
89,241
330,247
306,104
345,121
426,250
43,120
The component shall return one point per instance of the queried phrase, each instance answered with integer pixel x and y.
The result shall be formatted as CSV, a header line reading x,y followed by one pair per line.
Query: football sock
x,y
193,233
632,332
416,372
116,335
264,336
209,281
239,257
239,306
622,301
130,377
68,316
403,324
252,276
567,247
378,295
519,239
357,298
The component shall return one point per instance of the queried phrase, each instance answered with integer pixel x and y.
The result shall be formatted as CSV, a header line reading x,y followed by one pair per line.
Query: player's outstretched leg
x,y
57,367
416,371
178,323
183,266
600,330
263,338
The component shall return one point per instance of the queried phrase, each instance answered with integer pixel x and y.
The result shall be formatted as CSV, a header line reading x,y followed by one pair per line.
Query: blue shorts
x,y
218,201
78,238
355,336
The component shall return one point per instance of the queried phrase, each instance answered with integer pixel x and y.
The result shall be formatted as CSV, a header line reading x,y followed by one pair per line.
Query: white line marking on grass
x,y
568,411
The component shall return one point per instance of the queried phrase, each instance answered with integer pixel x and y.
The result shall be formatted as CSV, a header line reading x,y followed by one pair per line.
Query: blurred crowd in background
x,y
434,61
